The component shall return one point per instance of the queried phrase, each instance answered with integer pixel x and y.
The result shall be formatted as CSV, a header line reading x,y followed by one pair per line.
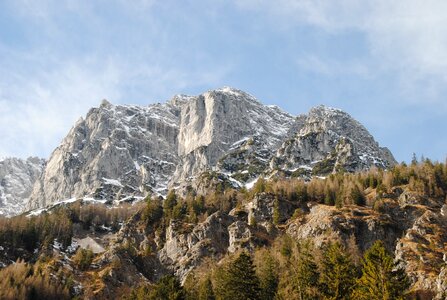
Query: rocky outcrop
x,y
330,140
218,122
185,248
17,177
325,224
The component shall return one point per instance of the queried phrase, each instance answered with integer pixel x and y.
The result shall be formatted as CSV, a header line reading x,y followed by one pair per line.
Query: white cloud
x,y
331,68
38,110
45,88
404,36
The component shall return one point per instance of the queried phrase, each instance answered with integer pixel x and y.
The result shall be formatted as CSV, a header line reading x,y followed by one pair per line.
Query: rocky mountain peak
x,y
105,104
331,140
125,151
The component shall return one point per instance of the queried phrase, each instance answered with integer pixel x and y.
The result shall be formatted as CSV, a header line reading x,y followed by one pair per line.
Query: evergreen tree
x,y
171,200
307,276
329,198
338,273
206,291
357,196
260,186
153,211
239,281
381,278
168,288
276,214
83,258
169,204
268,277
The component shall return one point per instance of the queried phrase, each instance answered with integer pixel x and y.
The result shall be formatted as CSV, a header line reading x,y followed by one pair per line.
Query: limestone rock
x,y
326,223
122,152
330,140
116,151
185,248
17,177
244,237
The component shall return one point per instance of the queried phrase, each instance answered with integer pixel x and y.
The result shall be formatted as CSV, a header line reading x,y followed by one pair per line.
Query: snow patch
x,y
249,185
114,182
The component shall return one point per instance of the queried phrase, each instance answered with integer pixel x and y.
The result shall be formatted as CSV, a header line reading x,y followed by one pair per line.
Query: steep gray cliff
x,y
114,153
218,122
17,177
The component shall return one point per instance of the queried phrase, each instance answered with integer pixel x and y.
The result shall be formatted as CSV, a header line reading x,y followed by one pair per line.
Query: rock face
x,y
329,140
116,151
17,177
124,152
184,250
219,121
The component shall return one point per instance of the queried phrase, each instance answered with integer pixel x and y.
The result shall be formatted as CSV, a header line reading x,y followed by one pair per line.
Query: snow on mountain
x,y
330,140
122,151
17,177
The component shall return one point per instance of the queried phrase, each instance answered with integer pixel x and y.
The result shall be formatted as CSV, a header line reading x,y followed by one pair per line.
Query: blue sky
x,y
384,62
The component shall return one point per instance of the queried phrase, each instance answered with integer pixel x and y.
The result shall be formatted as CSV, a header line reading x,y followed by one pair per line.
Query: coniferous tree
x,y
268,276
276,214
381,278
206,291
338,273
83,258
357,196
239,281
168,288
169,204
307,276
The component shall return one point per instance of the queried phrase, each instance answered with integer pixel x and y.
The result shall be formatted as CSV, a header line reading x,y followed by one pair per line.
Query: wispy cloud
x,y
408,37
51,83
332,68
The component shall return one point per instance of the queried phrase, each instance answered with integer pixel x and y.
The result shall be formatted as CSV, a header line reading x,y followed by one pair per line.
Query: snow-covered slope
x,y
17,177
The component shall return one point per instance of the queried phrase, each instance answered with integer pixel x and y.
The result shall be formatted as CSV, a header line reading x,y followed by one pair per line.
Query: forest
x,y
281,268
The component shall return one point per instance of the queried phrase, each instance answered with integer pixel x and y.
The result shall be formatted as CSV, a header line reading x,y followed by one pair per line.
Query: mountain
x,y
123,152
330,140
17,177
313,182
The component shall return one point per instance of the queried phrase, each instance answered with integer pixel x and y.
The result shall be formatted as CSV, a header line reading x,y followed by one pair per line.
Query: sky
x,y
384,62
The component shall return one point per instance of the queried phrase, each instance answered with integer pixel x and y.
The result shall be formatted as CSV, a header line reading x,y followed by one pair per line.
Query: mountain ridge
x,y
154,148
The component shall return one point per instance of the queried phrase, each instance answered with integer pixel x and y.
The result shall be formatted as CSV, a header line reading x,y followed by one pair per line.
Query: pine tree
x,y
357,196
239,281
338,273
329,198
206,291
83,258
276,214
307,276
168,288
169,204
381,278
268,277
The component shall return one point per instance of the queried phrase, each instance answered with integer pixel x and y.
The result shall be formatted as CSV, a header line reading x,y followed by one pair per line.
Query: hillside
x,y
195,236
